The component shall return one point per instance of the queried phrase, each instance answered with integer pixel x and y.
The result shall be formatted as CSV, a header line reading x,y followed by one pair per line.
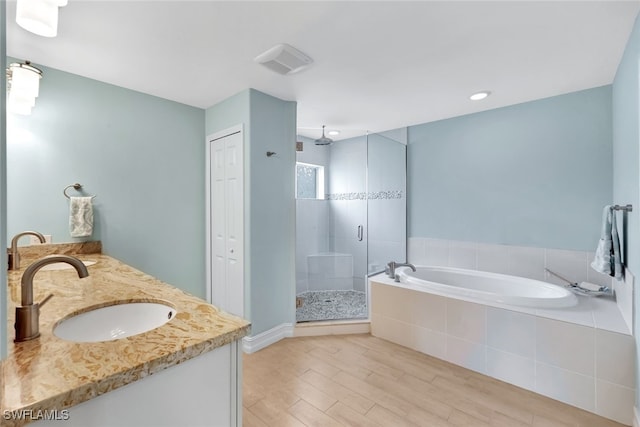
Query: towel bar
x,y
626,208
76,186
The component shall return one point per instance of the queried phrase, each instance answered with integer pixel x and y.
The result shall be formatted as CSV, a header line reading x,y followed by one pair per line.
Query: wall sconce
x,y
39,16
23,84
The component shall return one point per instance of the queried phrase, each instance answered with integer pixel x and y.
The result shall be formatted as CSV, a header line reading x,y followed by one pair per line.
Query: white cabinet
x,y
203,391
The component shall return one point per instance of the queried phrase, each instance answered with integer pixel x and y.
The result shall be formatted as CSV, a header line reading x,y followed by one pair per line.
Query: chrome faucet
x,y
12,253
28,314
391,268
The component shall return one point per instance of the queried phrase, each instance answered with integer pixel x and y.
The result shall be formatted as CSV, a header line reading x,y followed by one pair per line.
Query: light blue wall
x,y
3,187
626,158
272,211
230,112
534,174
141,155
269,125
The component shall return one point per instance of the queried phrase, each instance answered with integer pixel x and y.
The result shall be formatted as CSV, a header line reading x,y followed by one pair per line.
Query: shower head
x,y
323,140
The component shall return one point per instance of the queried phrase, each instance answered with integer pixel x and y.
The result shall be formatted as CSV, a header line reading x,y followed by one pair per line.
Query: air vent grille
x,y
284,59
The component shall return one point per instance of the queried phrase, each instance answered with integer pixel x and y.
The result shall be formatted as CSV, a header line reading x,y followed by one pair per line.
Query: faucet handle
x,y
390,270
44,301
13,259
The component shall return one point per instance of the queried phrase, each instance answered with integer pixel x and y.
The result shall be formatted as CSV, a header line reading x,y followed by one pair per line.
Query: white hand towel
x,y
80,216
607,257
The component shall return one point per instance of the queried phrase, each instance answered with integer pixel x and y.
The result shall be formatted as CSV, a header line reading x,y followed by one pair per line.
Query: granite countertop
x,y
48,373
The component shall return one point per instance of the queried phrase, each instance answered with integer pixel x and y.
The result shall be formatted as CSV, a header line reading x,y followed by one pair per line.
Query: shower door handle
x,y
360,233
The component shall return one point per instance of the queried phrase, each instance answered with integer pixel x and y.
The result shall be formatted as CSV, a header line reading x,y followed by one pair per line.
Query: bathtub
x,y
532,334
482,286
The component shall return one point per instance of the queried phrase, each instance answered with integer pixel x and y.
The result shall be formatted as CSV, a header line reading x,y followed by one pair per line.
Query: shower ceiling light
x,y
334,132
23,84
479,95
39,16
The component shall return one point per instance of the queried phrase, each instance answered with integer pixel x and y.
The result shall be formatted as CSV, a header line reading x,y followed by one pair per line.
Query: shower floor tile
x,y
331,305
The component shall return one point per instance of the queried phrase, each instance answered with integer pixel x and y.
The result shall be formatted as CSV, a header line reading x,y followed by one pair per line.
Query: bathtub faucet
x,y
391,268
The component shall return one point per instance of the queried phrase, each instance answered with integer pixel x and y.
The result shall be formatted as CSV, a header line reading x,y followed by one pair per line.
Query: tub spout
x,y
391,268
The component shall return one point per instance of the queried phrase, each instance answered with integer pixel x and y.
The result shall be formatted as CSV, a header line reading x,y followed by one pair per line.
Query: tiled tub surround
x,y
526,262
589,366
49,373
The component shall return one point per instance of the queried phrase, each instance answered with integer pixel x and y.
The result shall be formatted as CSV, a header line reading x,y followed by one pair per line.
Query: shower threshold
x,y
331,305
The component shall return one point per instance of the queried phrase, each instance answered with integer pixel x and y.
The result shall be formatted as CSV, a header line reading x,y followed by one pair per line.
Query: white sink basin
x,y
114,322
63,266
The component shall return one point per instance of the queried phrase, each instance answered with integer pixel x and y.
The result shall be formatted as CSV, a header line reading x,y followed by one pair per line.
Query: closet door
x,y
227,223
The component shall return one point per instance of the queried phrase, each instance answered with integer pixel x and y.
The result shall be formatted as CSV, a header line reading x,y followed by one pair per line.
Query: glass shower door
x,y
348,213
387,203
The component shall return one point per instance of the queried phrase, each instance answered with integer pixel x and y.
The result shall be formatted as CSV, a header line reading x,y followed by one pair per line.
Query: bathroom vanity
x,y
185,372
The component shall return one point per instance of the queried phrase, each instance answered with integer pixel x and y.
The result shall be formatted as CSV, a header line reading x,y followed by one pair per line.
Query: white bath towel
x,y
607,259
80,216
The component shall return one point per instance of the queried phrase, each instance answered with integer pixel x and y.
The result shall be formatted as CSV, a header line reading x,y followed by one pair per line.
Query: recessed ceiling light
x,y
479,95
334,132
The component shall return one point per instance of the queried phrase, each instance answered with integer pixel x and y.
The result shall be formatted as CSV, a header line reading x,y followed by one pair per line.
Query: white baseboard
x,y
264,339
636,418
313,329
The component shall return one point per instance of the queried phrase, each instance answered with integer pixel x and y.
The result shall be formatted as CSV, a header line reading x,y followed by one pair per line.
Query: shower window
x,y
309,181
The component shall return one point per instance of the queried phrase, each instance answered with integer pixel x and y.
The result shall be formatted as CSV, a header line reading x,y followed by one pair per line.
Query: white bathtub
x,y
529,333
487,287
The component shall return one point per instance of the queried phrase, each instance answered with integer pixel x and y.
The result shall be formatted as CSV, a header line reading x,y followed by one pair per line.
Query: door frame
x,y
239,128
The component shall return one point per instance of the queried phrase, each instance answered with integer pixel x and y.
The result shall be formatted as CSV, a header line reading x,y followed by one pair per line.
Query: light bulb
x,y
25,81
479,95
20,105
38,16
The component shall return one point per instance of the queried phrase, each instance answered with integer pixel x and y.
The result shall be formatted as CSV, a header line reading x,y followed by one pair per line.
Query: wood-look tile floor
x,y
360,380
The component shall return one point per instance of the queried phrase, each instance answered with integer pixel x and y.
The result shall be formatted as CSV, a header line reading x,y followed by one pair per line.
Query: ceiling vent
x,y
284,59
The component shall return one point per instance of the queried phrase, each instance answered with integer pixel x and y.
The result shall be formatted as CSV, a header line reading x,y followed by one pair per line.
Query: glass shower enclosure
x,y
350,221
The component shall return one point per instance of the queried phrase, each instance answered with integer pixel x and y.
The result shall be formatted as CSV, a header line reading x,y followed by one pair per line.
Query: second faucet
x,y
12,252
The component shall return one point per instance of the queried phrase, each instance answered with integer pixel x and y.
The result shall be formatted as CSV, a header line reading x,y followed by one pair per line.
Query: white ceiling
x,y
378,65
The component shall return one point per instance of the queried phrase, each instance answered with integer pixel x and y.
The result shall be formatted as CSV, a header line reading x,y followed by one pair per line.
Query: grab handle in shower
x,y
360,233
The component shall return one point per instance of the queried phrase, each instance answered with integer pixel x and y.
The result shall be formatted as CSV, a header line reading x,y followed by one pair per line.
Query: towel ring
x,y
77,186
